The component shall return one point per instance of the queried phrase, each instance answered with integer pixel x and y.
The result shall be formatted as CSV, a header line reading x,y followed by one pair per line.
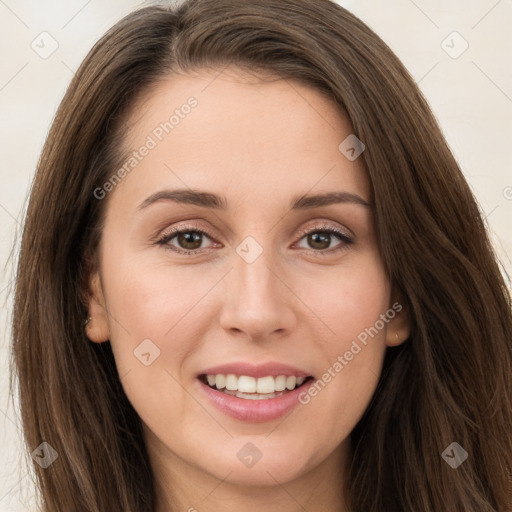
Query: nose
x,y
258,302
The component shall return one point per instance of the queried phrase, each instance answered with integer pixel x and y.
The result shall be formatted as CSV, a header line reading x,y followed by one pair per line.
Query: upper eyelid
x,y
318,225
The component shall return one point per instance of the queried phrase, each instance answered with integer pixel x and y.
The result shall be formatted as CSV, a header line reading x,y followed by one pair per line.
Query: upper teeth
x,y
246,384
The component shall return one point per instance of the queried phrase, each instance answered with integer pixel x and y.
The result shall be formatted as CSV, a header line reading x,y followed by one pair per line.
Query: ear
x,y
399,327
97,328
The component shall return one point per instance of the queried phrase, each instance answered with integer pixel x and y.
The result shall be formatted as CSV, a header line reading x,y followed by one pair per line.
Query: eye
x,y
189,240
319,238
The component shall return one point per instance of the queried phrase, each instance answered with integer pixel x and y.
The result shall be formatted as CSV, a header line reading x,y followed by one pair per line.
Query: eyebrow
x,y
216,202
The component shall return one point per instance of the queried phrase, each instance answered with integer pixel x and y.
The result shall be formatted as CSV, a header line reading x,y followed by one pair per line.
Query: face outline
x,y
256,143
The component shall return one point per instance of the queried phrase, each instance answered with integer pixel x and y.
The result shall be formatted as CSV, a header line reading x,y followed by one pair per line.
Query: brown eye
x,y
319,239
189,240
184,241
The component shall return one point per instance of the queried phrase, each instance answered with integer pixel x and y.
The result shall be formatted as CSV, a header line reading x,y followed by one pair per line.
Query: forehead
x,y
232,131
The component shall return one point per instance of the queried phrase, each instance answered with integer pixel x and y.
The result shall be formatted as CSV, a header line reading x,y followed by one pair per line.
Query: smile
x,y
253,393
252,388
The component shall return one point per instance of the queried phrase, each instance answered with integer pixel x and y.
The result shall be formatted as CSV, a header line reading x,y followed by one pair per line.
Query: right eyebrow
x,y
184,196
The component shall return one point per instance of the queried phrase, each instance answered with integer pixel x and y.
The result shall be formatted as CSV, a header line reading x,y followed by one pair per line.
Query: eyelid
x,y
326,225
165,237
319,224
186,227
344,234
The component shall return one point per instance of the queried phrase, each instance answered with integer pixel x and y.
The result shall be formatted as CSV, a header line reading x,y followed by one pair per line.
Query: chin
x,y
256,461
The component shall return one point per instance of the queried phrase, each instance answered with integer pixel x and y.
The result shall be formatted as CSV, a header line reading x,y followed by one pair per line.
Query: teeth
x,y
265,385
248,384
253,396
220,381
291,382
262,386
231,382
280,384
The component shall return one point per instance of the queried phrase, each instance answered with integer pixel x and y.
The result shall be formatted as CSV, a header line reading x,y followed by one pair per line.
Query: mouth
x,y
254,393
247,387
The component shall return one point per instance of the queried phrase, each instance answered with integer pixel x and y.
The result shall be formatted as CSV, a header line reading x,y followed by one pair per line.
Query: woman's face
x,y
267,291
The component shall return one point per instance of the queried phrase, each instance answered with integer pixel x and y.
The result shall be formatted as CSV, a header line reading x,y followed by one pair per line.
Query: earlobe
x,y
398,328
393,340
96,324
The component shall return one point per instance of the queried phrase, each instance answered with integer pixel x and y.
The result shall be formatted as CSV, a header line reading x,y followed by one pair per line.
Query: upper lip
x,y
271,368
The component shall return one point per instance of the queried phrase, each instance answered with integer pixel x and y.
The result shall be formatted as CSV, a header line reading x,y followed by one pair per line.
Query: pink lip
x,y
255,411
262,370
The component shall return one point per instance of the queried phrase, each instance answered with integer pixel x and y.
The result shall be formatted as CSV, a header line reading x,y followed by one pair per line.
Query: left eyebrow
x,y
315,201
216,202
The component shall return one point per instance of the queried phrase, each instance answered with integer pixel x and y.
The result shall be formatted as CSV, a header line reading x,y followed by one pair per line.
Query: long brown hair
x,y
450,382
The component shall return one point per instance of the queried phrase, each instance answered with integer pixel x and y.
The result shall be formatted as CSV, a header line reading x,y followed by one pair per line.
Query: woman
x,y
253,276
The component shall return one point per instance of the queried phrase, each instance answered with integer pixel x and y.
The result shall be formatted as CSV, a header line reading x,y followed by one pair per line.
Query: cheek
x,y
154,309
352,344
154,299
154,329
350,300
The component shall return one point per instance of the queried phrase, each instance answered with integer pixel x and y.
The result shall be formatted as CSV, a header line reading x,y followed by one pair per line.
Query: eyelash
x,y
167,237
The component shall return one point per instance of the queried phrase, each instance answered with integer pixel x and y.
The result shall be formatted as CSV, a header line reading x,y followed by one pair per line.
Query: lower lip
x,y
255,411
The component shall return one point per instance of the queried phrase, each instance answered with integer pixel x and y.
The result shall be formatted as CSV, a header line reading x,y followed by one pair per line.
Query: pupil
x,y
322,239
190,237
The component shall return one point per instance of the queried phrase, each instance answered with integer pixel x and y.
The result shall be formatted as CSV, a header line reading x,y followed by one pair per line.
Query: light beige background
x,y
471,96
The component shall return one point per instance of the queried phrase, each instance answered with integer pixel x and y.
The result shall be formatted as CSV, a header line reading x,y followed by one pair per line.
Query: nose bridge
x,y
256,284
253,271
257,300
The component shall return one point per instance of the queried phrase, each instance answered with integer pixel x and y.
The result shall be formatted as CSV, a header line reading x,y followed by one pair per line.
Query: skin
x,y
260,144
